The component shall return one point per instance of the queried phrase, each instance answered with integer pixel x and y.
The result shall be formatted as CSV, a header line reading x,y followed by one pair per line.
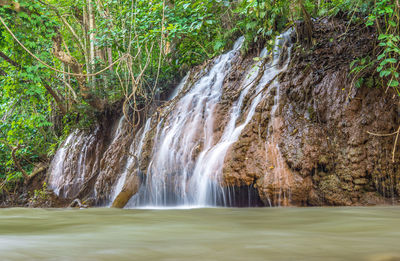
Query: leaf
x,y
251,25
394,83
369,23
391,60
218,45
388,10
352,63
384,62
384,73
382,36
359,82
23,15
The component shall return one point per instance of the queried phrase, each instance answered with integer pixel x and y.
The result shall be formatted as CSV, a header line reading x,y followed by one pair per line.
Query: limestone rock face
x,y
317,150
308,142
113,161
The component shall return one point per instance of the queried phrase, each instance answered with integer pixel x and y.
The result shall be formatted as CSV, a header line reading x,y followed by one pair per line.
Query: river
x,y
201,234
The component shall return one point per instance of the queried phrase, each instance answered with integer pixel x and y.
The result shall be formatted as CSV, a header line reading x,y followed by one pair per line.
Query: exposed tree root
x,y
397,133
77,203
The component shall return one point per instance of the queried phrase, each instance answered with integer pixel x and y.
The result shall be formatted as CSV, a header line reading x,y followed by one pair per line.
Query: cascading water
x,y
242,131
69,168
187,160
186,157
135,151
187,127
279,175
56,180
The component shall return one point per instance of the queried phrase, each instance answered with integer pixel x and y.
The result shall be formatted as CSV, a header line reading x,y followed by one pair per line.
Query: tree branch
x,y
76,68
16,161
59,101
3,73
9,60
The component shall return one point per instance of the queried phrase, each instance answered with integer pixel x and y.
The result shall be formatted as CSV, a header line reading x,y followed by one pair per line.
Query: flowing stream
x,y
370,234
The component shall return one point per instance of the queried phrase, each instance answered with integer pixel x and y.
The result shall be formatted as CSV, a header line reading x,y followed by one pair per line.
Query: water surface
x,y
201,234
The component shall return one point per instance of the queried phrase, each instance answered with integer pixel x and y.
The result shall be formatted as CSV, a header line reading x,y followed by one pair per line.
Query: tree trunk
x,y
104,13
76,68
92,38
308,25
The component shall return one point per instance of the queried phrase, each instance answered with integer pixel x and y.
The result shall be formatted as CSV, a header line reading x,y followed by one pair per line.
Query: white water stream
x,y
187,158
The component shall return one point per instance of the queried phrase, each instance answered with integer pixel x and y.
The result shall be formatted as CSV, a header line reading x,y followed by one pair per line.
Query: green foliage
x,y
39,195
262,19
385,16
25,107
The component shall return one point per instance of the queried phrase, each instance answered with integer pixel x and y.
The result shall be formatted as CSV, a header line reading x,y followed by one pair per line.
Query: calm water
x,y
201,234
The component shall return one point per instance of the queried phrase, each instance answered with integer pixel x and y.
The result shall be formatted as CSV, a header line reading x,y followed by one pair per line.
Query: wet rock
x,y
113,160
332,193
68,175
130,188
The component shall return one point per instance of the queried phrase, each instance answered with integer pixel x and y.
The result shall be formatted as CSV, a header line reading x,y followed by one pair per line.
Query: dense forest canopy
x,y
63,64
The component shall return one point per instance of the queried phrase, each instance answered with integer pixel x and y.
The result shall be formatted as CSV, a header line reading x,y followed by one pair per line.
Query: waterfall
x,y
280,176
56,180
135,151
72,165
188,126
187,159
183,166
